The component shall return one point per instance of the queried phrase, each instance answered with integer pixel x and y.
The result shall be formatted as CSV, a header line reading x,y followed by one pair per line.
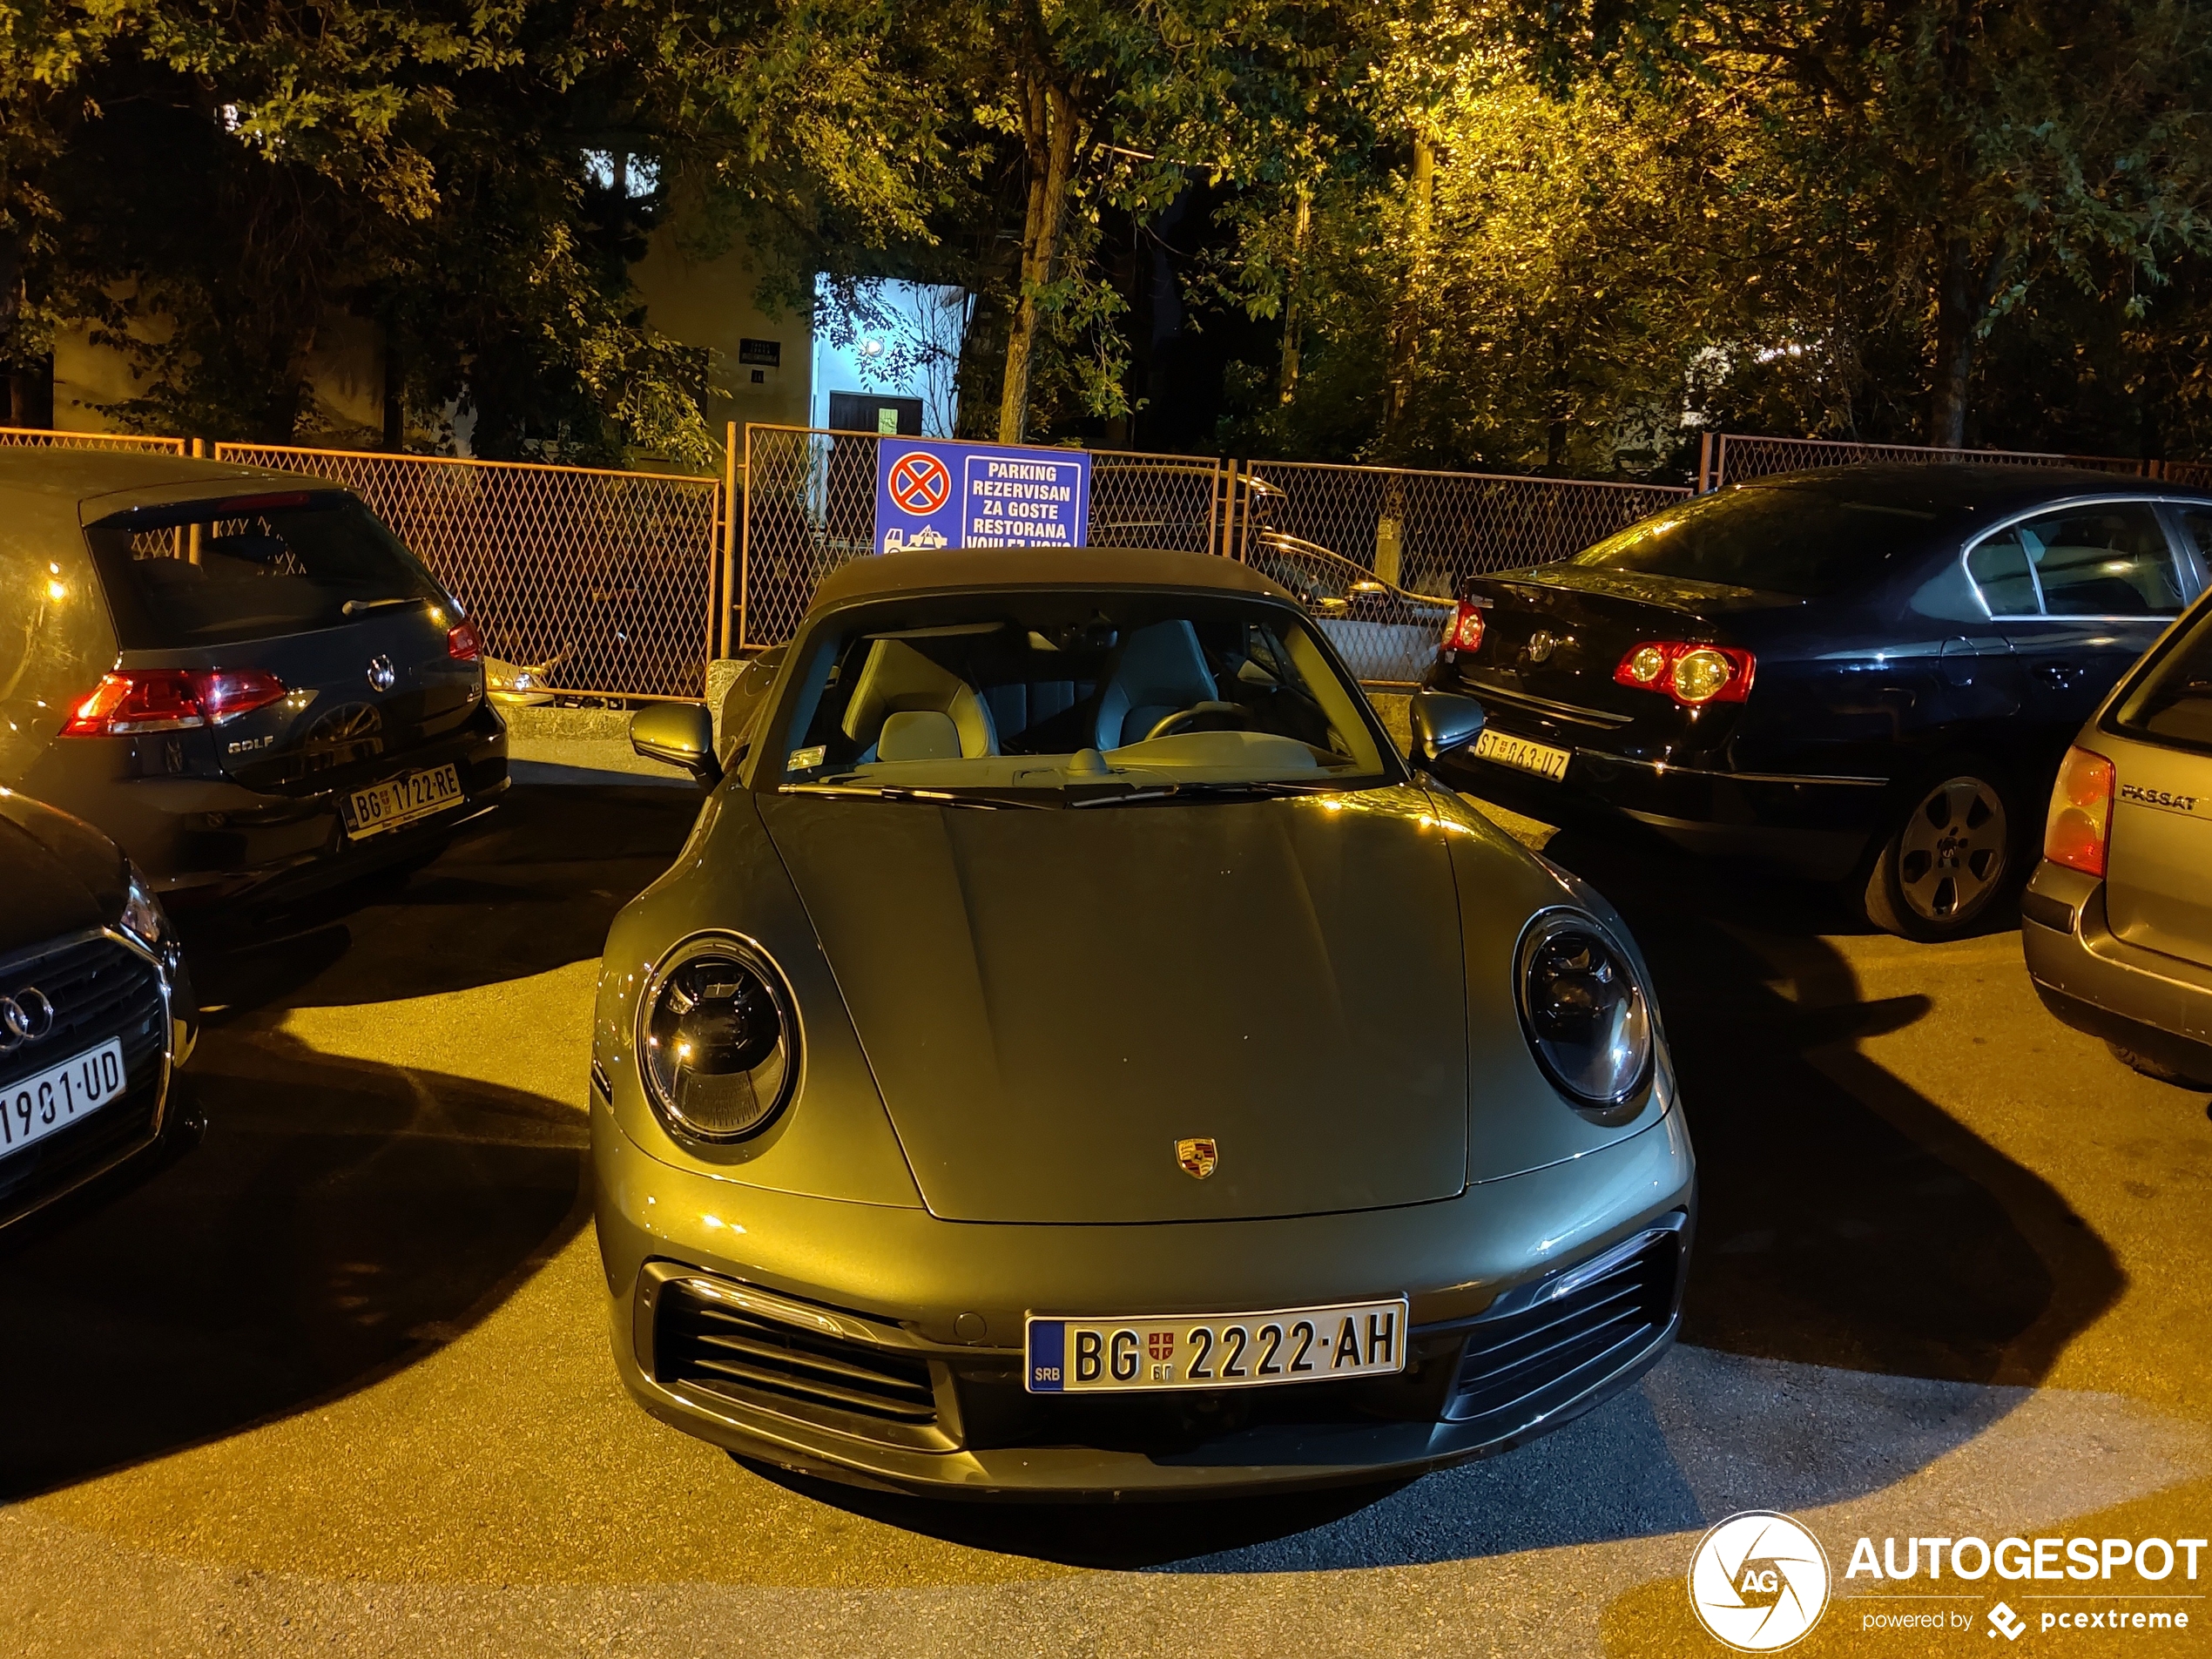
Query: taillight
x,y
1691,674
170,700
2079,830
462,641
1464,632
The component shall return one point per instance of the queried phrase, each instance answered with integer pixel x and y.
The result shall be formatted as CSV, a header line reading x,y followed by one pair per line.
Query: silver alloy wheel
x,y
1952,851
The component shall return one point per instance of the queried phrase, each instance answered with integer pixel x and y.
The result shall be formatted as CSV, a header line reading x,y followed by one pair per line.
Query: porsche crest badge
x,y
1197,1156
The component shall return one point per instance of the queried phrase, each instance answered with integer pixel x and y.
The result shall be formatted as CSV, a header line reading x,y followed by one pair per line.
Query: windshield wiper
x,y
1204,791
362,607
1270,786
1127,793
982,799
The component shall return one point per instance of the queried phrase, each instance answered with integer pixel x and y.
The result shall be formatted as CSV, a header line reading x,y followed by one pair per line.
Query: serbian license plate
x,y
33,1108
1522,755
1216,1350
401,800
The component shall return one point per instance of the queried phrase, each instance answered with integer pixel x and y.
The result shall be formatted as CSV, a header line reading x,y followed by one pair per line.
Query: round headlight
x,y
1700,674
1586,1016
716,1039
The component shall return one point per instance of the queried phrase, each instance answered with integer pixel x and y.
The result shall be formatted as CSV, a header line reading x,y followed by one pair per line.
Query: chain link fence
x,y
595,581
611,584
1734,458
1376,553
41,438
810,507
1422,531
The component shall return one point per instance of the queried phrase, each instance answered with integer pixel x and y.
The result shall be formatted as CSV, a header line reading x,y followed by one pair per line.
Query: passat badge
x,y
1197,1156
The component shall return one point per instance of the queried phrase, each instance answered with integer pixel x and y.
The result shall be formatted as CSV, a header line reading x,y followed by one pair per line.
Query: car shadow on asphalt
x,y
343,1217
530,888
1845,1219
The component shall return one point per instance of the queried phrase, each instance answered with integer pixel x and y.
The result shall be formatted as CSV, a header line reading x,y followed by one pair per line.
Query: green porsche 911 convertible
x,y
1075,1056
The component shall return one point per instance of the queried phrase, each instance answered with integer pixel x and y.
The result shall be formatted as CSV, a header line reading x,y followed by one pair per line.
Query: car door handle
x,y
2058,675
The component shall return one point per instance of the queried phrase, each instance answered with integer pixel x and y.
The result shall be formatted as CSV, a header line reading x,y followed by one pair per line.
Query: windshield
x,y
1067,698
1796,541
2172,703
213,572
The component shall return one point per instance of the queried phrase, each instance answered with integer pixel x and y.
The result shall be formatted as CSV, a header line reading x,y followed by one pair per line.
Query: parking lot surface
x,y
337,1382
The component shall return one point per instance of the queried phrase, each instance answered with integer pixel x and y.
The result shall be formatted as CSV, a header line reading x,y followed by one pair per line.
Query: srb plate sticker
x,y
1216,1350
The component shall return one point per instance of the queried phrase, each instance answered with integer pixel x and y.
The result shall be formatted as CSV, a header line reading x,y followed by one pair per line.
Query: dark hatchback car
x,y
241,675
95,1013
1865,675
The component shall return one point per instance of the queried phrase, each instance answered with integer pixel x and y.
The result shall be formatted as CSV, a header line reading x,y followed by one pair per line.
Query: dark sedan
x,y
1866,675
96,1012
241,675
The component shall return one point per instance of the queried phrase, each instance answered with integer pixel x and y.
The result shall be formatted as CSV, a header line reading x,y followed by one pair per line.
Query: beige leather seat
x,y
898,680
1163,668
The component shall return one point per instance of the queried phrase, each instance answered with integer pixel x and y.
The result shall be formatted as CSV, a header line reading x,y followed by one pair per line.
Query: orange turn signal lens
x,y
2077,832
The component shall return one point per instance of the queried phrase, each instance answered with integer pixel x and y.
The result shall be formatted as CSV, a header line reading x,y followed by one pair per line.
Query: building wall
x,y
710,303
344,372
707,303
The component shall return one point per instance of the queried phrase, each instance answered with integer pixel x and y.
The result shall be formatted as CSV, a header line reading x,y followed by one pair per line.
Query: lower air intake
x,y
1524,1363
710,1346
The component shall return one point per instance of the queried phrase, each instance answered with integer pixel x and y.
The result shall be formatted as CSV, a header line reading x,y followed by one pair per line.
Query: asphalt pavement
x,y
338,1381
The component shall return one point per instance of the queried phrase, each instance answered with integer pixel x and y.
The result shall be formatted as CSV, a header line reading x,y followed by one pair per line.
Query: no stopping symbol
x,y
919,483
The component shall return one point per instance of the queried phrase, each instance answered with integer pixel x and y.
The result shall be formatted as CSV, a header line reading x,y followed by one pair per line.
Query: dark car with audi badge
x,y
241,675
96,1012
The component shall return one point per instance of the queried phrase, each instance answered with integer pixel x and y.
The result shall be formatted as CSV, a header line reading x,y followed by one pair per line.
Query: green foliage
x,y
1463,231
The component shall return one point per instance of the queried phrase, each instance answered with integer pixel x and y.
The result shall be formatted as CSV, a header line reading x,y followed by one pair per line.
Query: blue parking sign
x,y
930,494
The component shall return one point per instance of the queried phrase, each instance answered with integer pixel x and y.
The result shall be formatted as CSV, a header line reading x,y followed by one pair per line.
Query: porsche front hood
x,y
1051,1001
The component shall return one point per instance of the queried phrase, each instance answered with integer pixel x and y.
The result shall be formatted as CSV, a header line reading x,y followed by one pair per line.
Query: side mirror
x,y
1441,721
680,733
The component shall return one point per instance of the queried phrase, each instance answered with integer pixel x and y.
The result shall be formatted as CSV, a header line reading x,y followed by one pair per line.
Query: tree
x,y
1994,150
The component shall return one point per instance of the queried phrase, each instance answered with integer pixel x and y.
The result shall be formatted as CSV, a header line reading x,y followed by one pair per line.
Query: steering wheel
x,y
1169,724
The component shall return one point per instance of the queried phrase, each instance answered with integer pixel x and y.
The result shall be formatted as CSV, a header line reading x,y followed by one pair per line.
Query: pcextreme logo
x,y
1758,1582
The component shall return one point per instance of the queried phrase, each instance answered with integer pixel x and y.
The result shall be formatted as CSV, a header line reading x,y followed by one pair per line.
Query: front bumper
x,y
2155,1005
141,997
920,1320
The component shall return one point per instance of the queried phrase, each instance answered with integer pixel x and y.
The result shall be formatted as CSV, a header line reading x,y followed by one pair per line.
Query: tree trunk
x,y
1954,346
394,390
1048,130
1405,333
1962,306
1301,229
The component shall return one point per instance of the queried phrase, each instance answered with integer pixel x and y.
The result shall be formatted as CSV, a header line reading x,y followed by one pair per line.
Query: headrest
x,y
919,734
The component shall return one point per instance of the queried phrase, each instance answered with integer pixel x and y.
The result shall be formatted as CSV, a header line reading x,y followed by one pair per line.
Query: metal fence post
x,y
728,551
1227,548
744,550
